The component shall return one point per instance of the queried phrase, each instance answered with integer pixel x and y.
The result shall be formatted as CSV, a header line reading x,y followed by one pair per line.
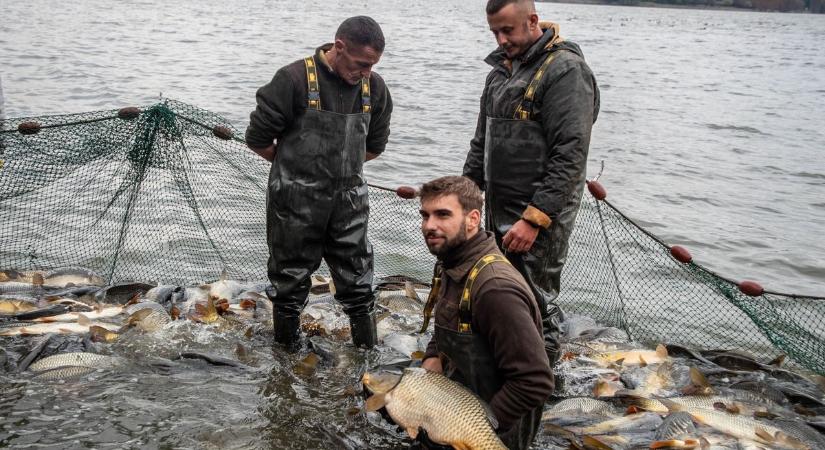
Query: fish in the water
x,y
53,327
418,398
148,319
740,426
76,359
74,276
632,357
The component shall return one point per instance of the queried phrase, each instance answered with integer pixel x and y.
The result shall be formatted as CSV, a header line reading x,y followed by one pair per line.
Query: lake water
x,y
710,131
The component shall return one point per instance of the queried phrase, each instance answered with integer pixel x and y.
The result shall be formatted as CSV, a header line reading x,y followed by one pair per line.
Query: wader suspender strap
x,y
465,316
435,286
314,92
525,109
365,95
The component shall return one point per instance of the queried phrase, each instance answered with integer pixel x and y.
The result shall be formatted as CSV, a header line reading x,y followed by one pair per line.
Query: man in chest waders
x,y
529,152
317,121
487,322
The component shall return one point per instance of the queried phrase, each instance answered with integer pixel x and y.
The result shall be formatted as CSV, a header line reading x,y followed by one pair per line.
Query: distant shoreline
x,y
778,7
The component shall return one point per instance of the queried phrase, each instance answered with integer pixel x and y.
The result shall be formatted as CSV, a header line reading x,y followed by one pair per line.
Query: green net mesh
x,y
169,193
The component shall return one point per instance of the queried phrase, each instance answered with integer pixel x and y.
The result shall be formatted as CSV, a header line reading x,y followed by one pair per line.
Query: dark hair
x,y
361,31
469,195
494,6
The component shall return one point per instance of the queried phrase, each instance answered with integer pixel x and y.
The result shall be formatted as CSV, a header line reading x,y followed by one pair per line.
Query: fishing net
x,y
169,193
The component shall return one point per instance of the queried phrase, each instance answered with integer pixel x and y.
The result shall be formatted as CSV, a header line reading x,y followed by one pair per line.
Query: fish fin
x,y
200,309
409,291
633,409
592,443
174,312
376,402
332,287
704,443
670,405
733,408
661,351
642,362
698,378
603,389
764,434
664,370
83,319
764,415
417,355
247,304
675,443
37,279
412,431
135,299
778,361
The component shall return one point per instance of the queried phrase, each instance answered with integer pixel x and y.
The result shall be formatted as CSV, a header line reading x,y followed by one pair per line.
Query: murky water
x,y
710,131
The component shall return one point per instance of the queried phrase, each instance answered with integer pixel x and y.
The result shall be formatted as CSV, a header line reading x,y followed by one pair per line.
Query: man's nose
x,y
501,39
365,73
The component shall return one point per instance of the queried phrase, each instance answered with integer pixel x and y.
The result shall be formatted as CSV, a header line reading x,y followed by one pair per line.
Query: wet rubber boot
x,y
364,332
287,331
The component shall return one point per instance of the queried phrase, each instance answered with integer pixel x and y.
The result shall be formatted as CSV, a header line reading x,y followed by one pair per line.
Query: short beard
x,y
451,244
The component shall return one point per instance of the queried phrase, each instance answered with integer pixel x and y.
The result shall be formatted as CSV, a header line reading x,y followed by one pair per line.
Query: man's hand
x,y
433,364
267,153
520,237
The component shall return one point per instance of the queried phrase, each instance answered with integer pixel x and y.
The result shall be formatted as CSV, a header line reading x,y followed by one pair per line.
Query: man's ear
x,y
534,21
474,219
339,45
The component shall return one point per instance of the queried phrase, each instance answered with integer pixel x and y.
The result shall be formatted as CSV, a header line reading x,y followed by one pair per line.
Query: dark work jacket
x,y
504,312
566,105
283,99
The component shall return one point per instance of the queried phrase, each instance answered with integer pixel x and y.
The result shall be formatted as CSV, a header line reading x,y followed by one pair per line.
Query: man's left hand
x,y
520,237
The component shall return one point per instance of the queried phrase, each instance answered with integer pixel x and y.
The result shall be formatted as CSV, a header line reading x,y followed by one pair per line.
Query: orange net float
x,y
128,113
407,192
597,190
222,132
28,128
751,288
680,254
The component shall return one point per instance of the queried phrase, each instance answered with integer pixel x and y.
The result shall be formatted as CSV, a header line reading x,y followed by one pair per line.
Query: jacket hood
x,y
551,40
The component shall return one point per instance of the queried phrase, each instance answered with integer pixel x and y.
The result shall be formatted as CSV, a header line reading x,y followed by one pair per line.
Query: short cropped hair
x,y
494,6
361,31
469,195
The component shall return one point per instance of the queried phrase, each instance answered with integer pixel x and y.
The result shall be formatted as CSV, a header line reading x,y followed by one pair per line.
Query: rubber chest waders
x,y
516,154
317,207
470,361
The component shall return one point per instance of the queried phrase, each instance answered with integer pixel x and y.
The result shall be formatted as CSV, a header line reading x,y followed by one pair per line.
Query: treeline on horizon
x,y
813,6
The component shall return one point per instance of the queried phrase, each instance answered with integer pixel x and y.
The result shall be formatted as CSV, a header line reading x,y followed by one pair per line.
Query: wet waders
x,y
317,207
469,360
515,158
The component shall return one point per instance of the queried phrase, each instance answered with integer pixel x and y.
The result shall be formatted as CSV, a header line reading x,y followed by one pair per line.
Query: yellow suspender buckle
x,y
465,317
313,92
365,95
525,108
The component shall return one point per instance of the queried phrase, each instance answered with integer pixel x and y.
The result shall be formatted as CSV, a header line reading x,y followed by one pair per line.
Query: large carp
x,y
418,398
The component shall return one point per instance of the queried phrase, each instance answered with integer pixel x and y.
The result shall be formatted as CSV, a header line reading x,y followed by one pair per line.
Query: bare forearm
x,y
371,156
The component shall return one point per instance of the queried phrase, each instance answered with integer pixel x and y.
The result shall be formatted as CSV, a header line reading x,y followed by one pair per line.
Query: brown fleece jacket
x,y
506,313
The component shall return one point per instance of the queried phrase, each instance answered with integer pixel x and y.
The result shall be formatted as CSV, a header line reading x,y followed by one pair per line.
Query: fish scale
x,y
449,412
